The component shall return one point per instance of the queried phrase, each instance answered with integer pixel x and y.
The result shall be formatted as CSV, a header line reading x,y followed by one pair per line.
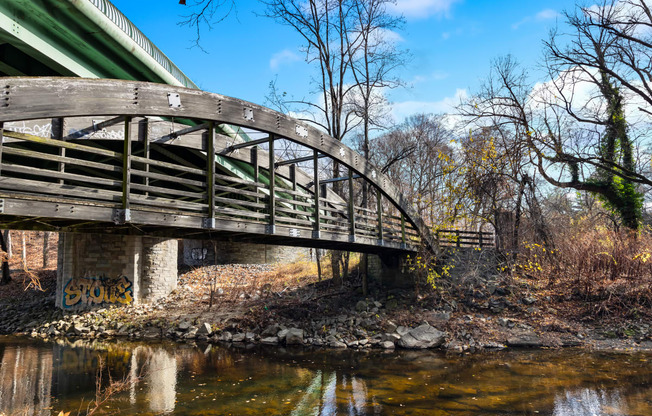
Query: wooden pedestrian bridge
x,y
126,157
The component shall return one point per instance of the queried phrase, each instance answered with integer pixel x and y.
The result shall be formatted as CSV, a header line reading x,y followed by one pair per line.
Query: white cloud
x,y
547,14
584,97
439,75
401,110
388,36
423,8
283,57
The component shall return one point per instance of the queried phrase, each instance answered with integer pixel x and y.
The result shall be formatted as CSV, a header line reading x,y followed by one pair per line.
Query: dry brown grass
x,y
232,282
611,271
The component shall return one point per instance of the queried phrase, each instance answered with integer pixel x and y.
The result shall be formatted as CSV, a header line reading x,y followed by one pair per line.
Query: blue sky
x,y
452,43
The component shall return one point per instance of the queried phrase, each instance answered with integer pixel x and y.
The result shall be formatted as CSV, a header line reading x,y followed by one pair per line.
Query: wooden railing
x,y
460,238
153,158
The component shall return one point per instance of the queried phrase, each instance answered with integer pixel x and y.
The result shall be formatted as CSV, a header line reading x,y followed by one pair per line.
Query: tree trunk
x,y
24,253
318,258
7,234
46,241
336,258
347,256
6,276
517,220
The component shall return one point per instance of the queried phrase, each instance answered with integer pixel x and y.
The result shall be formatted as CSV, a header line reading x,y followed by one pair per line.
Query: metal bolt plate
x,y
248,114
209,223
301,131
174,100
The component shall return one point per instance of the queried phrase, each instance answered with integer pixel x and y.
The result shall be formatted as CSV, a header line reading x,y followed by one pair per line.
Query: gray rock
x,y
191,332
152,332
490,345
352,344
390,327
391,304
250,337
401,330
238,337
205,329
270,331
184,326
391,337
225,336
269,341
528,300
294,336
526,340
387,345
455,346
361,306
337,344
79,330
282,334
423,336
440,316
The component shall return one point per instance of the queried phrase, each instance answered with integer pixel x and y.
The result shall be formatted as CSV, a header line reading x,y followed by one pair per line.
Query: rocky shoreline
x,y
368,324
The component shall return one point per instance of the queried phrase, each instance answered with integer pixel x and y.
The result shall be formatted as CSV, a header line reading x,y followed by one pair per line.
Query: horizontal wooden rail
x,y
464,238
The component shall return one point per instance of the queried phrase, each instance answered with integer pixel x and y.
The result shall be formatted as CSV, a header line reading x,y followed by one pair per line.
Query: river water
x,y
44,378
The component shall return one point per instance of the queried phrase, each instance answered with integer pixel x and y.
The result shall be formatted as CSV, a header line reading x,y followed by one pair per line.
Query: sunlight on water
x,y
590,402
38,378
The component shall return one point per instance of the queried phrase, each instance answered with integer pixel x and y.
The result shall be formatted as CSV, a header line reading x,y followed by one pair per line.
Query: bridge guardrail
x,y
461,238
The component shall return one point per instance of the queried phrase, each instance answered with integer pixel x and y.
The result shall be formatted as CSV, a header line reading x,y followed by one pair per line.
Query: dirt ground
x,y
242,298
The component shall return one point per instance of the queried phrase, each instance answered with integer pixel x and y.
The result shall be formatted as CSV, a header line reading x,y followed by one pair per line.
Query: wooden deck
x,y
81,155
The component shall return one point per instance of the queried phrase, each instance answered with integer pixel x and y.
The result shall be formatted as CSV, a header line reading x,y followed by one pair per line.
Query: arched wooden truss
x,y
121,156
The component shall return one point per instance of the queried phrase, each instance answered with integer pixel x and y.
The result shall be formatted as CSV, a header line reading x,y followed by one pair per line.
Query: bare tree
x,y
608,52
206,13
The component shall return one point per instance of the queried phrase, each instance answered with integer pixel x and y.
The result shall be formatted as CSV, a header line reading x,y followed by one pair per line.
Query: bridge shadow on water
x,y
39,378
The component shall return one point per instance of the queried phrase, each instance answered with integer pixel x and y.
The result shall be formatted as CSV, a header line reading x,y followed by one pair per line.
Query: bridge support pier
x,y
99,270
389,269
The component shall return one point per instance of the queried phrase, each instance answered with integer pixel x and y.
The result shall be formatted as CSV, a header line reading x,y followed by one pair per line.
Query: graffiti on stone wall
x,y
91,291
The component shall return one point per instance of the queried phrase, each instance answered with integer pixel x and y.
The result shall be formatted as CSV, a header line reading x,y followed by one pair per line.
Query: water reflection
x,y
590,402
25,380
38,378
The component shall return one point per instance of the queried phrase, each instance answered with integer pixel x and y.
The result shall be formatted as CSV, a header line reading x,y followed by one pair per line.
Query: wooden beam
x,y
126,165
315,164
2,139
379,198
143,136
254,163
351,206
272,178
188,130
210,172
340,179
237,146
293,178
57,134
297,160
